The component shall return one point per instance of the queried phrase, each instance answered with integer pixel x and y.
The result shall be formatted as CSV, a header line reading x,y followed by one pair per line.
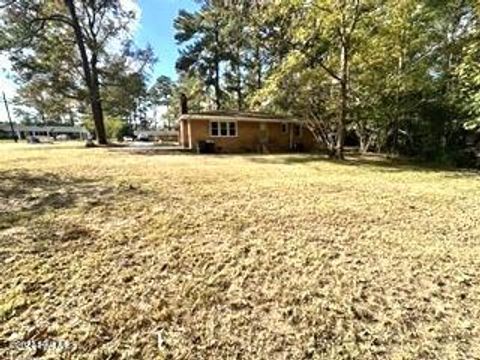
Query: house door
x,y
263,134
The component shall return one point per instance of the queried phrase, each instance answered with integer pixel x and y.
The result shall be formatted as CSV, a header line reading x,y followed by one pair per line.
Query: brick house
x,y
236,132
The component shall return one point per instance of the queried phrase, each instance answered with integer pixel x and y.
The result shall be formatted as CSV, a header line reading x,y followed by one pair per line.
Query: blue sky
x,y
156,28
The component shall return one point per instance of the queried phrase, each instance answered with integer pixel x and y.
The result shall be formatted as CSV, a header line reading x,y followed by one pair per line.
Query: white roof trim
x,y
234,118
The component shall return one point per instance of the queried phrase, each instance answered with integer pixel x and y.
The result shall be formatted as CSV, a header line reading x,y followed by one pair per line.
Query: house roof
x,y
163,132
236,115
39,128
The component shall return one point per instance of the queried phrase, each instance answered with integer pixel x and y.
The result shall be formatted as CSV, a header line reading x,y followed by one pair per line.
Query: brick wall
x,y
183,135
248,137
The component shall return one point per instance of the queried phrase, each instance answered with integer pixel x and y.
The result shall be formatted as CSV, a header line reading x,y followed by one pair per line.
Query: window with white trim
x,y
223,128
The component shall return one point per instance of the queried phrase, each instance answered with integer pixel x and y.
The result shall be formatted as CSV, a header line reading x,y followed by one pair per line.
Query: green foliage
x,y
402,76
162,91
469,74
412,73
115,127
227,46
194,88
201,32
62,54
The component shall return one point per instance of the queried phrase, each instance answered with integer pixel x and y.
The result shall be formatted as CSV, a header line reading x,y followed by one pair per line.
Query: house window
x,y
284,128
214,128
233,128
223,128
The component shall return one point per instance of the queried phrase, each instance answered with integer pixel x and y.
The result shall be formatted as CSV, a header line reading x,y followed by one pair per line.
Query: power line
x,y
9,117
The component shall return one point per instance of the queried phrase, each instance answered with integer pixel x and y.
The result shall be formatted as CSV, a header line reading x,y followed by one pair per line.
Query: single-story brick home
x,y
230,132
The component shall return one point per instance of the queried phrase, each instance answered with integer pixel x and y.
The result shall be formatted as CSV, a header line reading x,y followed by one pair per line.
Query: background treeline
x,y
75,63
399,76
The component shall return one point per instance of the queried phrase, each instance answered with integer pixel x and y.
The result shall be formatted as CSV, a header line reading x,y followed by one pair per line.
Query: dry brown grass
x,y
252,257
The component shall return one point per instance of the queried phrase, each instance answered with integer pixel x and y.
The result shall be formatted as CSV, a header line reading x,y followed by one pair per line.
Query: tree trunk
x,y
365,142
342,119
258,54
218,95
395,130
258,64
239,98
97,109
91,75
218,101
238,71
398,107
362,134
341,123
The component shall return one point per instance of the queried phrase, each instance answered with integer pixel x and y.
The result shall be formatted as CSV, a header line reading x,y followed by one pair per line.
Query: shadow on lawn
x,y
24,195
53,146
153,151
381,163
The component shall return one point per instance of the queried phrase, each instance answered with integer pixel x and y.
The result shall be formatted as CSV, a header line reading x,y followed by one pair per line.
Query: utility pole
x,y
9,118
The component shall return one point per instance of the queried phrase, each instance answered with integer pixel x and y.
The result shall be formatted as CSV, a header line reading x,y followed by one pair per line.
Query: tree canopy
x,y
394,76
398,76
61,52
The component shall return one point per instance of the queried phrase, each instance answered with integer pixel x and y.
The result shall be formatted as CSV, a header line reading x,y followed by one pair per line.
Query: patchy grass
x,y
254,257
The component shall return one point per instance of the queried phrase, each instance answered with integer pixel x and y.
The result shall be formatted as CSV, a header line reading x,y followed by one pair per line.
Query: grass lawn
x,y
235,257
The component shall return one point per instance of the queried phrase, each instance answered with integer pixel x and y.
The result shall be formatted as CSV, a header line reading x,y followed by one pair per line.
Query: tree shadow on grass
x,y
24,194
153,151
54,146
378,162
